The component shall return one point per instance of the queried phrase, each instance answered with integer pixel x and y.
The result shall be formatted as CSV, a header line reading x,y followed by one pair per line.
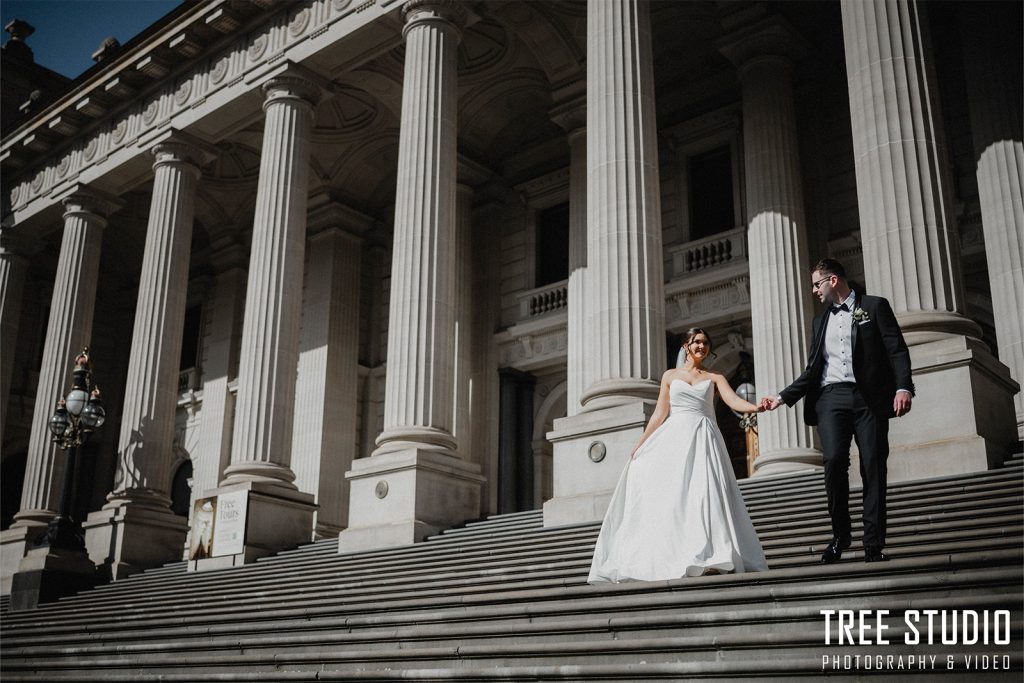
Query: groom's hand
x,y
901,403
769,403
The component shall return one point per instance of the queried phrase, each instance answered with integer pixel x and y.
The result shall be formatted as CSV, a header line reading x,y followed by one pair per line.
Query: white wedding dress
x,y
677,510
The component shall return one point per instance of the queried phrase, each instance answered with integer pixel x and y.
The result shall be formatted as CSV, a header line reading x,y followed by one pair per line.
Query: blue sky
x,y
69,31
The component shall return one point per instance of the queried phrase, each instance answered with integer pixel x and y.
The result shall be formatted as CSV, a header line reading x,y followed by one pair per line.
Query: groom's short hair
x,y
829,266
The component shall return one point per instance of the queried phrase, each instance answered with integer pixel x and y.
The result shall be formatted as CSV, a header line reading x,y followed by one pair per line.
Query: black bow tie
x,y
840,307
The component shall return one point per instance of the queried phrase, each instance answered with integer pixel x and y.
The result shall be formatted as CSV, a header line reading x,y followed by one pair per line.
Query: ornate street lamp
x,y
77,416
748,423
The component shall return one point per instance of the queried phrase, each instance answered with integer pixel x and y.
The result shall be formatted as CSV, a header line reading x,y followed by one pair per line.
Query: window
x,y
190,337
552,245
711,198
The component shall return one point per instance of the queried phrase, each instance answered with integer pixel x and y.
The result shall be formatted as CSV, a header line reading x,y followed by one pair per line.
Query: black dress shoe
x,y
875,555
835,549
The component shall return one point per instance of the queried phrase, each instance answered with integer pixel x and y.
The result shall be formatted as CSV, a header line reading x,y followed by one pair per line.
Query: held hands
x,y
770,403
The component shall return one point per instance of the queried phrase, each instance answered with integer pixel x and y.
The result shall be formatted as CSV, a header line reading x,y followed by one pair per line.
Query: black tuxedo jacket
x,y
881,361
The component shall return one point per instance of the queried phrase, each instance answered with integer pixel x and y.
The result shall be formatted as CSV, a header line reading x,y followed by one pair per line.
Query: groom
x,y
858,377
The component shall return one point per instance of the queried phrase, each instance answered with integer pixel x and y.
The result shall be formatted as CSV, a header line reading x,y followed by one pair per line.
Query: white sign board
x,y
229,529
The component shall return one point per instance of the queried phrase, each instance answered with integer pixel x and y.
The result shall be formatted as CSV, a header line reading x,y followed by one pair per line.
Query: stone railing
x,y
188,380
542,300
710,252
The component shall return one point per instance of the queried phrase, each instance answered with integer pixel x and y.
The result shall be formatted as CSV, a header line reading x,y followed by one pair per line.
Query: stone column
x,y
462,425
278,514
13,266
136,528
994,98
427,486
220,364
69,330
326,402
911,245
780,302
624,281
573,119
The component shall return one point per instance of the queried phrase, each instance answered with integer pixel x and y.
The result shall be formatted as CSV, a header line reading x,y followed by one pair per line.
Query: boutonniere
x,y
861,316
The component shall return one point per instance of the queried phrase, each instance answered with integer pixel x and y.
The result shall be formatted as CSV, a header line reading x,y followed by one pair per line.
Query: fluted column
x,y
572,117
624,255
415,482
13,266
220,365
462,426
69,329
324,440
910,243
577,346
623,295
261,446
962,418
780,303
994,98
140,499
418,388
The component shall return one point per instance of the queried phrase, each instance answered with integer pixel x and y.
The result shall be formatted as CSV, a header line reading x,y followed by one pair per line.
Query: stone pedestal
x,y
404,496
133,533
47,574
590,451
939,436
275,518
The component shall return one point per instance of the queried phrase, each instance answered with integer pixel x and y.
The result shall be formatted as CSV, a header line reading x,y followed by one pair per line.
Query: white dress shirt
x,y
838,349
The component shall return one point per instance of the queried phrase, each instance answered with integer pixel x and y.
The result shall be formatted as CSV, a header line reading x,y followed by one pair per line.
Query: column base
x,y
15,543
590,450
130,534
787,461
962,418
46,574
277,517
401,497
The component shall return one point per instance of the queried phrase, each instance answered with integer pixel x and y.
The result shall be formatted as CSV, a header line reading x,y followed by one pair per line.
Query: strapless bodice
x,y
692,398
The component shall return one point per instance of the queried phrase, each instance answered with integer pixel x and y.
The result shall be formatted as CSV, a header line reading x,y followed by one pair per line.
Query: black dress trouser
x,y
843,415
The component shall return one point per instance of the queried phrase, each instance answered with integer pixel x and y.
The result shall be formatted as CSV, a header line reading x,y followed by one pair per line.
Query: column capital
x,y
179,147
770,36
293,83
83,199
451,14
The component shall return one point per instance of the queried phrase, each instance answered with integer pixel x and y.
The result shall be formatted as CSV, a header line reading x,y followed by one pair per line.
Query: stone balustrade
x,y
542,300
717,250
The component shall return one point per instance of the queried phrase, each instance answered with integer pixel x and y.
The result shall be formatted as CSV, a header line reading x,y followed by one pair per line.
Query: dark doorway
x,y
515,441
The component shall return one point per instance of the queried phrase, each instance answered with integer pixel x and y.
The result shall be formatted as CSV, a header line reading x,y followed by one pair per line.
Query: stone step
x,y
571,561
694,618
962,571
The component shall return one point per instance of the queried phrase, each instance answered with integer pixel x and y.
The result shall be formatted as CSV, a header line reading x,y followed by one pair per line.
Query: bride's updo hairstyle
x,y
688,337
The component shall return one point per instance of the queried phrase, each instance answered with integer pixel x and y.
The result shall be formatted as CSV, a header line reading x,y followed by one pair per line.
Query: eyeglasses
x,y
815,286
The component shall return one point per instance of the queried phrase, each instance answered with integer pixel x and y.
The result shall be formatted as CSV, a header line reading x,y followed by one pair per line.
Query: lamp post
x,y
748,422
60,565
77,416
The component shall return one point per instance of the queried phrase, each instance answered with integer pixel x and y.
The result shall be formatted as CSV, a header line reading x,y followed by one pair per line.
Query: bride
x,y
677,510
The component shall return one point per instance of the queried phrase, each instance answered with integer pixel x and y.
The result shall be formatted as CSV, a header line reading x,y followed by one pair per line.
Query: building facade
x,y
377,267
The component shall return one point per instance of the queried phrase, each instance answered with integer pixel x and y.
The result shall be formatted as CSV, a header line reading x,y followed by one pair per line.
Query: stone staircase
x,y
505,599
